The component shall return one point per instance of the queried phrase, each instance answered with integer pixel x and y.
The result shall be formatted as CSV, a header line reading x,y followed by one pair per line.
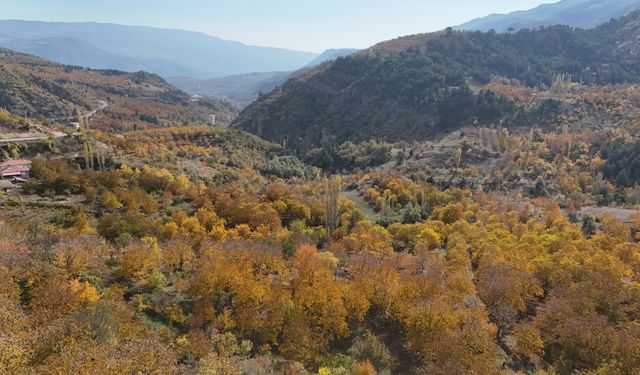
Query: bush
x,y
368,347
284,167
350,156
55,177
135,224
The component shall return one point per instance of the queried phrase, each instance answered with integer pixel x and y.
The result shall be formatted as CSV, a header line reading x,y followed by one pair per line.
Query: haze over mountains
x,y
195,62
209,66
132,48
576,13
330,54
243,89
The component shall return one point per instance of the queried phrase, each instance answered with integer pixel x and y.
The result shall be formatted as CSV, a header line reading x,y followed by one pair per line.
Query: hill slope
x,y
419,86
37,88
331,54
576,13
132,48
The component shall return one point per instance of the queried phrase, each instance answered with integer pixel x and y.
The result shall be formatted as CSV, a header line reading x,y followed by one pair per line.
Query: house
x,y
12,169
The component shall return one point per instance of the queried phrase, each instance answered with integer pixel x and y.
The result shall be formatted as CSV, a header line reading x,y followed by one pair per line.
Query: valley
x,y
453,202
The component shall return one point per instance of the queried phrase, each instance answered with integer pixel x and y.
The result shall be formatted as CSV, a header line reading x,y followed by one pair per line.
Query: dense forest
x,y
156,273
450,203
204,250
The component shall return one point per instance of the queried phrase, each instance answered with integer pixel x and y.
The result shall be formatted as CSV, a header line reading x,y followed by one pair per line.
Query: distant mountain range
x,y
330,54
576,13
243,89
133,48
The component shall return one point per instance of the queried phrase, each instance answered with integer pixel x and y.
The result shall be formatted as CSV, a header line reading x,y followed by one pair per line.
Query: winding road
x,y
101,105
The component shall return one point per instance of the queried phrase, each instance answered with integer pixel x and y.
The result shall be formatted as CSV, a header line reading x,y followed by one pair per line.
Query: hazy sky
x,y
309,25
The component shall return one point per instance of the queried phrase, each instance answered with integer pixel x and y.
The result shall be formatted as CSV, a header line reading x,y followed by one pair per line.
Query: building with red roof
x,y
15,168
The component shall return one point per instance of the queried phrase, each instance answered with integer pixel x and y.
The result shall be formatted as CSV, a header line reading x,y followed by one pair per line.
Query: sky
x,y
305,25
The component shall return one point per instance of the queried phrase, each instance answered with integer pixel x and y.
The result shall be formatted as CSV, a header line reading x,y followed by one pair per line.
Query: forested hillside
x,y
459,203
37,88
420,86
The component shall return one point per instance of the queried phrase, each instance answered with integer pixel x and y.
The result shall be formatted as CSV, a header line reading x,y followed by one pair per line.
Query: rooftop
x,y
18,162
14,170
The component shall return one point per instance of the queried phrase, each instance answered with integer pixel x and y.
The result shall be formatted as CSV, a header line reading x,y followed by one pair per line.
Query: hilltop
x,y
331,54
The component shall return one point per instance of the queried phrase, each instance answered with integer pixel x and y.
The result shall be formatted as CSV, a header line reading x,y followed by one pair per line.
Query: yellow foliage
x,y
529,342
368,238
14,354
364,368
84,291
110,200
428,239
140,259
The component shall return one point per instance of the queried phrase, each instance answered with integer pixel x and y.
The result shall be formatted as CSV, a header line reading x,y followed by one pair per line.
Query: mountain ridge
x,y
575,13
417,86
203,55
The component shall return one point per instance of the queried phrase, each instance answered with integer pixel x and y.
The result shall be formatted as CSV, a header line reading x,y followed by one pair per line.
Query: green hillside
x,y
419,86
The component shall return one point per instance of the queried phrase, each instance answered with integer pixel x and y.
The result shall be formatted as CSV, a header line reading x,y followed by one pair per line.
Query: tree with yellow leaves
x,y
368,238
319,315
139,259
110,201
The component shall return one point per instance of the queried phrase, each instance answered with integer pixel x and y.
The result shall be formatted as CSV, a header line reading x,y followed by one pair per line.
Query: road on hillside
x,y
101,106
34,139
